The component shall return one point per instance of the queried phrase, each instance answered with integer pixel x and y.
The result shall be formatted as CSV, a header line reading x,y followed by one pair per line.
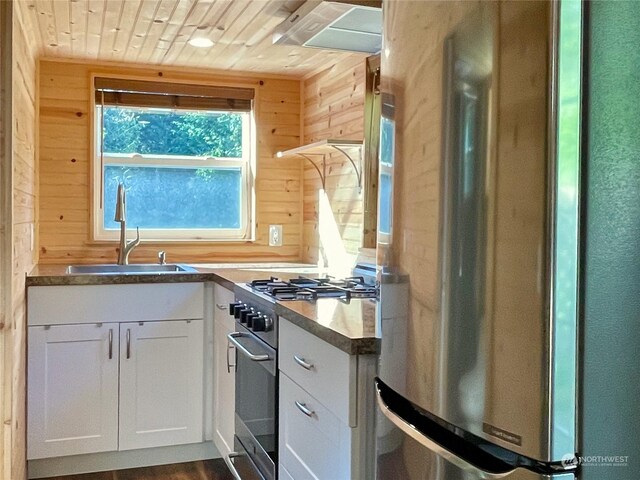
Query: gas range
x,y
311,289
256,345
254,306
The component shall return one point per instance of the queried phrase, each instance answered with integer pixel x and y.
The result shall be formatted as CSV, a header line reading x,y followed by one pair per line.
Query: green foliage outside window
x,y
168,132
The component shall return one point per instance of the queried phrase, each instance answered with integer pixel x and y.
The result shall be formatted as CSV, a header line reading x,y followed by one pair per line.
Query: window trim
x,y
245,233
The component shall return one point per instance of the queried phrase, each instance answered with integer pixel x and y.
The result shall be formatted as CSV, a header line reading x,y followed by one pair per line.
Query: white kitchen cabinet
x,y
161,383
325,409
224,372
114,368
73,408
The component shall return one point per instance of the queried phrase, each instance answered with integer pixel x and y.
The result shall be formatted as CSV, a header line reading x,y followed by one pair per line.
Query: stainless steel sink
x,y
135,269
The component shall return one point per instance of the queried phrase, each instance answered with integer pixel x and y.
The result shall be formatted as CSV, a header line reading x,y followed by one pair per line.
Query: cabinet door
x,y
72,390
161,383
224,373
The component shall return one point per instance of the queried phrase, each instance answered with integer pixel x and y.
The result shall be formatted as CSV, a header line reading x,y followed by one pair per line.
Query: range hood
x,y
354,26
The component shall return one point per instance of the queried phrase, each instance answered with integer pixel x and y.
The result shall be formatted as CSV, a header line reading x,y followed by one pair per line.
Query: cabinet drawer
x,y
70,304
313,445
321,369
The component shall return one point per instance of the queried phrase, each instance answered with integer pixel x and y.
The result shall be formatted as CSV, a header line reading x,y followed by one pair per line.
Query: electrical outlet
x,y
275,235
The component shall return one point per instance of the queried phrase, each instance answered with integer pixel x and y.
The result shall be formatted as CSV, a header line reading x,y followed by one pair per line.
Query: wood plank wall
x,y
333,108
65,168
24,214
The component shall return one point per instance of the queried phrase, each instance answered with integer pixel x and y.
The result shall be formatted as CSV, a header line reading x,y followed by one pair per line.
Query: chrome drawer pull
x,y
303,408
128,343
300,361
110,343
221,306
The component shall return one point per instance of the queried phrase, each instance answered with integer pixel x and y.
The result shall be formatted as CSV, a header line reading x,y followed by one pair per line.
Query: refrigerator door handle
x,y
425,441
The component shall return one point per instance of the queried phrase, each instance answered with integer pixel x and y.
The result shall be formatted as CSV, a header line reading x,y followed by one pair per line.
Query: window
x,y
184,155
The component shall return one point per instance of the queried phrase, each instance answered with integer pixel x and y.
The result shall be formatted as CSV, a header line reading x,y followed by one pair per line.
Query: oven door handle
x,y
234,470
231,466
233,338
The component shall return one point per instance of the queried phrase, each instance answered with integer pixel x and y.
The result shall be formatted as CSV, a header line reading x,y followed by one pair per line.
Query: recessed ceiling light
x,y
201,42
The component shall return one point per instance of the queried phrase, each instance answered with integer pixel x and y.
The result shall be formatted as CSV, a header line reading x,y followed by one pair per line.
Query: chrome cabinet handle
x,y
221,306
233,336
303,408
110,343
301,361
128,343
229,348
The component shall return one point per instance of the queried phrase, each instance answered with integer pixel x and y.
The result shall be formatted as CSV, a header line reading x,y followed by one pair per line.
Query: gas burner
x,y
305,282
311,289
272,282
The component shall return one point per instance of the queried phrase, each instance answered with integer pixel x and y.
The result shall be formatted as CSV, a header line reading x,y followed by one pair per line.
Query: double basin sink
x,y
135,269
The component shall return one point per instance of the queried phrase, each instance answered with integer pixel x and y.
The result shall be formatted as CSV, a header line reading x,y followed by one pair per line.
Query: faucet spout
x,y
121,206
120,216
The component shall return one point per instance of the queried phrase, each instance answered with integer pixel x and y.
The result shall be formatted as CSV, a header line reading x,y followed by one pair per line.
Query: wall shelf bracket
x,y
322,173
351,149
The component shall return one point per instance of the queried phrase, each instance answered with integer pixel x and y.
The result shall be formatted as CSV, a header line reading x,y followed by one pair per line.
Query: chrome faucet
x,y
120,216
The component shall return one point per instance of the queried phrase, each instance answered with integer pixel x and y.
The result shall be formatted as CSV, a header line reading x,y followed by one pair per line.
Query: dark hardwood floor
x,y
204,470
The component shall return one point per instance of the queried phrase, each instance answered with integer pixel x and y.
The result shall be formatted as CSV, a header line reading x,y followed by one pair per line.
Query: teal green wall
x,y
611,331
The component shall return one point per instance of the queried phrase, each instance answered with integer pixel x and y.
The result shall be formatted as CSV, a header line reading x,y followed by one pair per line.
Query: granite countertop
x,y
347,326
226,274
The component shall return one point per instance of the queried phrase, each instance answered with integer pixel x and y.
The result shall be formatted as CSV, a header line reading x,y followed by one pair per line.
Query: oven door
x,y
256,400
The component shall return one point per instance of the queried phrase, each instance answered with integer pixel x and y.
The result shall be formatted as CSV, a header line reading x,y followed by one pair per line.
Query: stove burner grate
x,y
310,289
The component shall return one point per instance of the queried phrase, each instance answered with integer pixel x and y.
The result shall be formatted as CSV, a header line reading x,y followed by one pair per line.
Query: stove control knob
x,y
251,317
240,313
263,323
233,306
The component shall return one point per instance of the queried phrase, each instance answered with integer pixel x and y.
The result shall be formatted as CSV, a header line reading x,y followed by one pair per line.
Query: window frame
x,y
245,233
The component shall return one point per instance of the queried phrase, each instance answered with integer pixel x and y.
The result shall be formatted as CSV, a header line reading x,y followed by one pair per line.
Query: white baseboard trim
x,y
106,461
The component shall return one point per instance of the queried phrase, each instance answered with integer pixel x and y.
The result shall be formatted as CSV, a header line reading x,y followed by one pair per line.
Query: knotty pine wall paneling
x,y
65,168
23,138
333,108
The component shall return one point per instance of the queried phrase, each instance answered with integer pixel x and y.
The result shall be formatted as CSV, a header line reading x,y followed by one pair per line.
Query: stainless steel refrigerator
x,y
478,240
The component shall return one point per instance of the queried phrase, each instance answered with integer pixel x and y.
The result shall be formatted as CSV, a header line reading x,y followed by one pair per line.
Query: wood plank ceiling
x,y
156,32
